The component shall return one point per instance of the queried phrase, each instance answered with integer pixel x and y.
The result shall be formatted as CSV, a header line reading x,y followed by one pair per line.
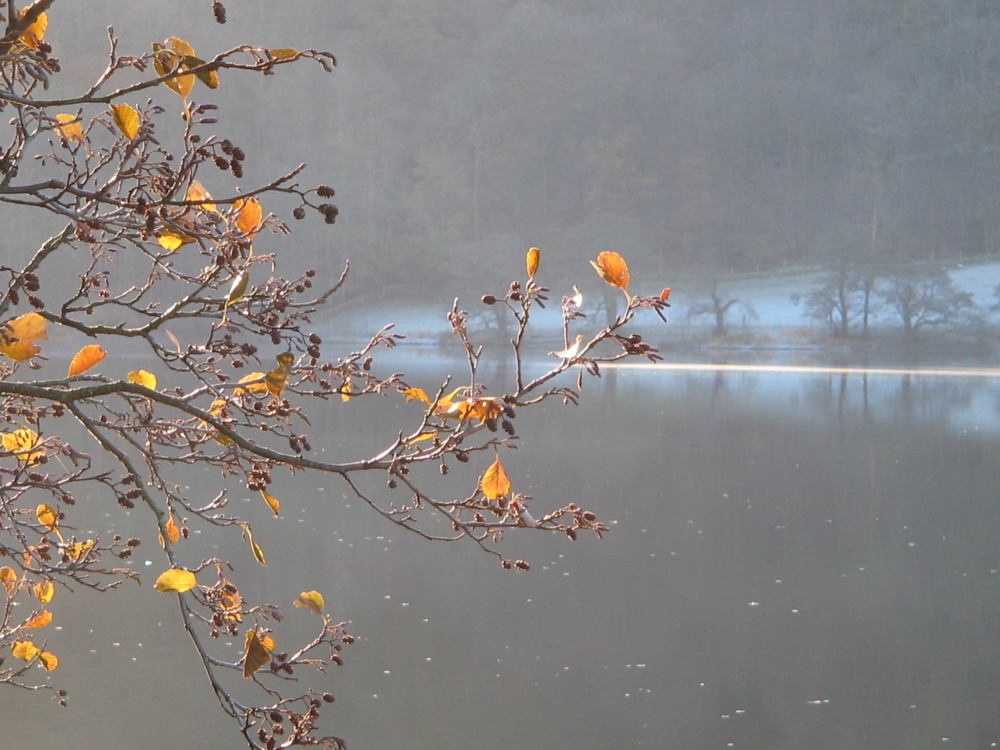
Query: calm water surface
x,y
797,560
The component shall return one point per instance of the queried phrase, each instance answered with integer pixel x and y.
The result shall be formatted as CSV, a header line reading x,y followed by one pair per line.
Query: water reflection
x,y
798,559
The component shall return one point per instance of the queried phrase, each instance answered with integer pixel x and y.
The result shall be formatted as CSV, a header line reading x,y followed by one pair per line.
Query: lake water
x,y
798,559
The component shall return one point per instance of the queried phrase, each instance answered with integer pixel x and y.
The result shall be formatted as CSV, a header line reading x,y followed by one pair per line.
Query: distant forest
x,y
691,135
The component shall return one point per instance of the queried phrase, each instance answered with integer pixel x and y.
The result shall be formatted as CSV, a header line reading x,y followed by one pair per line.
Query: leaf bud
x,y
489,299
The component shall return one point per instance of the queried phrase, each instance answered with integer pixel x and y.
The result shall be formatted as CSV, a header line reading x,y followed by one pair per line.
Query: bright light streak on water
x,y
950,372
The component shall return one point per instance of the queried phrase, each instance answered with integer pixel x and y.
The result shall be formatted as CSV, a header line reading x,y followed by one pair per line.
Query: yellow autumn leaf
x,y
171,239
532,259
8,577
48,660
218,409
283,53
126,118
44,591
254,383
18,336
23,443
208,76
24,650
176,579
33,35
69,127
76,550
257,652
236,291
416,394
47,516
495,481
611,267
258,553
40,619
249,216
276,381
311,600
169,58
144,378
86,358
197,192
272,502
345,391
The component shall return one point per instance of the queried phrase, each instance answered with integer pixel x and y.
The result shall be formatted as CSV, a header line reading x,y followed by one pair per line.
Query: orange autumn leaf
x,y
24,650
127,119
173,531
69,127
482,409
33,35
257,652
230,602
44,591
23,443
495,482
39,620
311,600
144,378
534,255
48,660
8,577
18,336
197,192
175,579
86,358
611,267
249,216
